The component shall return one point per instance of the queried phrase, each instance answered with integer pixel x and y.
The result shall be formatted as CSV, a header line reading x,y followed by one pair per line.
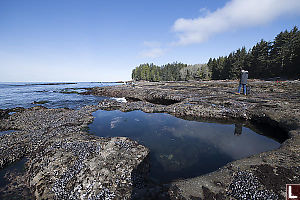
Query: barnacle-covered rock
x,y
65,162
98,168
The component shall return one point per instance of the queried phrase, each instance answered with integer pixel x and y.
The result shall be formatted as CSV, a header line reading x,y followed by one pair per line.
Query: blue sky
x,y
97,40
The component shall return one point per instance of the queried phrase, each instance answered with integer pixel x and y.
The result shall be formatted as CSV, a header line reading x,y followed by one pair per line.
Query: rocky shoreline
x,y
275,104
64,161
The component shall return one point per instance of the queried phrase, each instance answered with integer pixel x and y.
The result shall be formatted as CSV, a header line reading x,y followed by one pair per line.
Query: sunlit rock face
x,y
64,161
87,169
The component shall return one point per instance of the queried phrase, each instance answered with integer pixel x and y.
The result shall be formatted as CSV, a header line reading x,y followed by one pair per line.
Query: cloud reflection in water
x,y
181,148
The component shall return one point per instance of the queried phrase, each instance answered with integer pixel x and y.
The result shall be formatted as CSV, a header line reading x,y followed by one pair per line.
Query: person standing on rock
x,y
243,82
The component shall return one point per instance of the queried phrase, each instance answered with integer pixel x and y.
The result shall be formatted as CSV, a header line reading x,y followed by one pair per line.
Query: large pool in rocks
x,y
182,148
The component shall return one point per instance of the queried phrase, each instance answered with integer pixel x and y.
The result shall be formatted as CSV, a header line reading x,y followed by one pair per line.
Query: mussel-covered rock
x,y
97,168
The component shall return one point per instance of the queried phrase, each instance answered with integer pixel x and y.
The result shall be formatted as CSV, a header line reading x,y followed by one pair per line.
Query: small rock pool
x,y
6,132
181,148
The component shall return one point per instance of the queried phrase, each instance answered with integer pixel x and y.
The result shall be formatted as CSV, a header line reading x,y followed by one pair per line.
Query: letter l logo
x,y
290,193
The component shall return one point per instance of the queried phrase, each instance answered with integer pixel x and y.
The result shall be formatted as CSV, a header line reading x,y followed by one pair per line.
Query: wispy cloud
x,y
235,14
152,44
153,50
204,11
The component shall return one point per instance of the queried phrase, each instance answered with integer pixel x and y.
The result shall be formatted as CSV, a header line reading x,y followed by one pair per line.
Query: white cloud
x,y
153,53
153,50
115,121
204,11
235,14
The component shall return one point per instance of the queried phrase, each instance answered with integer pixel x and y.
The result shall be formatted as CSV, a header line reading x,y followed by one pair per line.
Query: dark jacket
x,y
244,77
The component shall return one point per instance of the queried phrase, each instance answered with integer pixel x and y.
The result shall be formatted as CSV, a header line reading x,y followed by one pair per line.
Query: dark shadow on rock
x,y
261,125
162,101
208,194
146,189
12,182
3,113
274,179
132,99
270,129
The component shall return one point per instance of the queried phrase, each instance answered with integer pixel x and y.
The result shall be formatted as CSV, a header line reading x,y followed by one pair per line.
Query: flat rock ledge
x,y
64,161
262,176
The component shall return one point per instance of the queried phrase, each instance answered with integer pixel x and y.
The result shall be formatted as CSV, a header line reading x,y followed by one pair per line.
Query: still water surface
x,y
181,148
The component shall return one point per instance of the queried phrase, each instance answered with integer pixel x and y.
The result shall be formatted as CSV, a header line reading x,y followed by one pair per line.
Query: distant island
x,y
28,84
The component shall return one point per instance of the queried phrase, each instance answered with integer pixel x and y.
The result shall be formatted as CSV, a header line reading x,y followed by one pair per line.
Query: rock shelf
x,y
261,176
65,162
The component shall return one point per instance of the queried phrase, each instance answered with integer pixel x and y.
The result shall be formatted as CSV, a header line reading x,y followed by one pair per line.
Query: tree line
x,y
277,58
171,72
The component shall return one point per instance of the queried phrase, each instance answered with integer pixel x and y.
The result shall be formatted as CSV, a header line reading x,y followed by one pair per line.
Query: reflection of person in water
x,y
238,129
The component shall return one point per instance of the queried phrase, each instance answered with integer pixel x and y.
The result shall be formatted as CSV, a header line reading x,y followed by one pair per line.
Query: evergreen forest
x,y
277,58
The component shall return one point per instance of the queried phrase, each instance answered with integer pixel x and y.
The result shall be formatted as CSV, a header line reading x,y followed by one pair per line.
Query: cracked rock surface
x,y
64,161
261,176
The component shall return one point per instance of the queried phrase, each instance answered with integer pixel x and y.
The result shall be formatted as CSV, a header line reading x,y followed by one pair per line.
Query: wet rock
x,y
40,102
65,162
246,186
86,169
3,113
215,100
12,182
275,178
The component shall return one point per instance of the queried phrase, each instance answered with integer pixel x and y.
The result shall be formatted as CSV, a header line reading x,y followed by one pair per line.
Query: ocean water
x,y
24,94
181,148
